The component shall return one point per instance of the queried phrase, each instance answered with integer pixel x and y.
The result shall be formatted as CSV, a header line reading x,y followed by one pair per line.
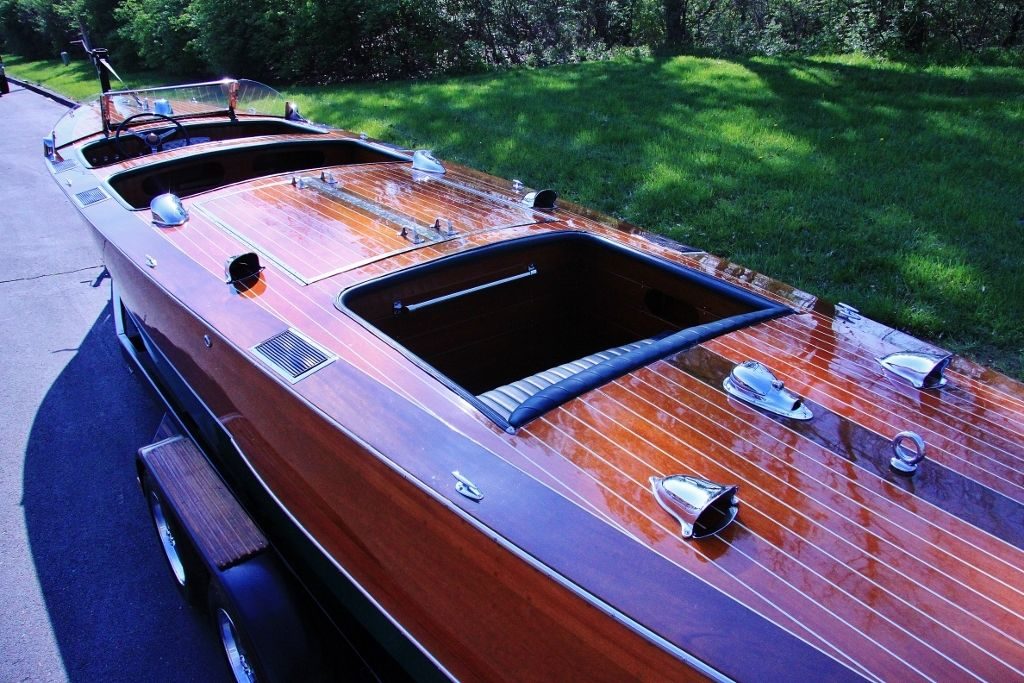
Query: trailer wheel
x,y
235,647
186,567
258,617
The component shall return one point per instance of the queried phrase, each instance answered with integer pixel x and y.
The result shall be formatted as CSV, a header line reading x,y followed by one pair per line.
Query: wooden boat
x,y
502,432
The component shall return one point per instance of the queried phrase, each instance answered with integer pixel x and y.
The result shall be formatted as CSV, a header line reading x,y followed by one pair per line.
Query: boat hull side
x,y
480,611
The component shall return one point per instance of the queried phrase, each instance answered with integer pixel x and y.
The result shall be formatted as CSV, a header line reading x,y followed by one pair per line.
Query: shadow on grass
x,y
891,187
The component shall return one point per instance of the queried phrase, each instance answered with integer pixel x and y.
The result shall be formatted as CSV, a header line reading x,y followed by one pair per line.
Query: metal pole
x,y
98,55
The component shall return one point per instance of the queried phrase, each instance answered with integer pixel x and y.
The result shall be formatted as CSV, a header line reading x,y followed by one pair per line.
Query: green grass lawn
x,y
894,188
78,80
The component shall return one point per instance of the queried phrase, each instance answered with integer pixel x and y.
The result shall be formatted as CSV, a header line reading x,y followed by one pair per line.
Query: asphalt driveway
x,y
85,594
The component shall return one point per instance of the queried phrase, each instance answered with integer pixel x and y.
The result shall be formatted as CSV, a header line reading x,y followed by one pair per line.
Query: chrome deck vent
x,y
542,199
424,160
922,370
90,196
168,211
292,355
702,507
65,165
754,383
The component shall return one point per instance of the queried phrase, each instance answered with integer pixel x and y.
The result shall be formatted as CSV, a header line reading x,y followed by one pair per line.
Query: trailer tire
x,y
187,568
258,618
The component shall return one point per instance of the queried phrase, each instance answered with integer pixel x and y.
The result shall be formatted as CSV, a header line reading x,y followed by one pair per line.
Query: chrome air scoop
x,y
754,383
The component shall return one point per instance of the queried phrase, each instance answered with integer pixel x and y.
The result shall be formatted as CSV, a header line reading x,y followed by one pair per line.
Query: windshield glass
x,y
192,100
196,99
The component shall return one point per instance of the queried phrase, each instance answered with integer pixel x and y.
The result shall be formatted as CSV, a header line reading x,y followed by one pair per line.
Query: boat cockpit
x,y
145,121
522,326
151,134
203,171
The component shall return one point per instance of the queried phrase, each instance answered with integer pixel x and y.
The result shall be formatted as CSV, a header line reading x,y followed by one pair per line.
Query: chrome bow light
x,y
754,383
923,370
702,507
168,211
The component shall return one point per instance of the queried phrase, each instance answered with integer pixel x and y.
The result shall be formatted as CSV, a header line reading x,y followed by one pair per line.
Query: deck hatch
x,y
314,227
90,196
292,355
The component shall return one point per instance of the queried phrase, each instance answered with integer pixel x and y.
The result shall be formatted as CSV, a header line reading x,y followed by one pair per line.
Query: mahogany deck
x,y
316,231
880,573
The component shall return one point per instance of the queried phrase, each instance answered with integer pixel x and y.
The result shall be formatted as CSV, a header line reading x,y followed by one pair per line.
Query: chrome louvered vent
x,y
65,165
90,196
292,355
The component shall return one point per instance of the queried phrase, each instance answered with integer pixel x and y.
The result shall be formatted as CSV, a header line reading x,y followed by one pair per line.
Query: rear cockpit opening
x,y
525,325
201,172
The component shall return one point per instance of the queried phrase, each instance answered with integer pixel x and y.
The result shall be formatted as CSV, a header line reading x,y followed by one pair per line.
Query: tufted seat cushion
x,y
522,401
505,399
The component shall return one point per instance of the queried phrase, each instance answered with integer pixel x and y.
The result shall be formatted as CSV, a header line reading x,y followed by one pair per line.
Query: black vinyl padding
x,y
506,398
602,373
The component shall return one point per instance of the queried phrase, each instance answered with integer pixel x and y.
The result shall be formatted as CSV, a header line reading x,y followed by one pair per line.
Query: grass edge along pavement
x,y
889,186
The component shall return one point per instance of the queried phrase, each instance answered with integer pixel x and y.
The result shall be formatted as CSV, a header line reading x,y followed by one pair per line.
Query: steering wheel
x,y
151,138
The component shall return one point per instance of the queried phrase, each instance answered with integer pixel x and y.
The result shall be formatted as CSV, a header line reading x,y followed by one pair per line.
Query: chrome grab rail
x,y
399,306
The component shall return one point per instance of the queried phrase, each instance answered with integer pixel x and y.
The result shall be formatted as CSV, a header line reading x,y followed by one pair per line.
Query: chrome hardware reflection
x,y
542,199
753,383
445,227
466,487
424,160
847,312
906,459
922,370
702,507
168,211
291,112
163,107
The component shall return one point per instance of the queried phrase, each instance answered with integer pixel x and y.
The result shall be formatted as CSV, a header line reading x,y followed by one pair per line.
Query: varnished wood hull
x,y
836,567
480,608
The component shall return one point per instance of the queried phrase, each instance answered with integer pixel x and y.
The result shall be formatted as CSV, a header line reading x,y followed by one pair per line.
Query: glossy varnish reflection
x,y
833,568
986,448
316,231
806,525
836,556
